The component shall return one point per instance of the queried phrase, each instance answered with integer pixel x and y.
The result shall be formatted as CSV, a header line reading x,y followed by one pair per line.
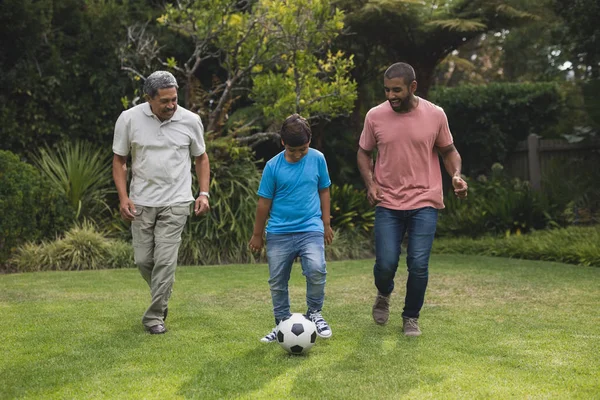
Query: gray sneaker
x,y
410,326
381,309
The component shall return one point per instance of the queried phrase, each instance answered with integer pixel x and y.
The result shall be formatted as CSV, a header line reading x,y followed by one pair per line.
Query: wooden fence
x,y
534,159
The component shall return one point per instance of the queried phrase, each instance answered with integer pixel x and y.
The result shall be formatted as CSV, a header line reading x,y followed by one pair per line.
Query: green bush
x,y
488,121
31,208
350,209
81,248
496,204
350,245
573,194
120,255
222,235
572,245
590,89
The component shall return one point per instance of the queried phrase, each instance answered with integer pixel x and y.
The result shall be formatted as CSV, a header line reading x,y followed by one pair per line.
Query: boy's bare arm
x,y
262,213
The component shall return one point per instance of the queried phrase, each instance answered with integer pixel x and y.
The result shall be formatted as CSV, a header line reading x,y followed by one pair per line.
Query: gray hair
x,y
159,80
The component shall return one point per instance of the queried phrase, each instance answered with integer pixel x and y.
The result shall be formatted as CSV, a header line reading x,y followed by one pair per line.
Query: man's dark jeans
x,y
390,228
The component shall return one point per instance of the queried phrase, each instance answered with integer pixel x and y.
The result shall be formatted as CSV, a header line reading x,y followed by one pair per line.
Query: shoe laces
x,y
382,301
412,323
317,318
272,335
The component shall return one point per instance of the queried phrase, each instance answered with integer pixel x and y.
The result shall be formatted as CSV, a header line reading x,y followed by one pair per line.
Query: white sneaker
x,y
323,329
270,337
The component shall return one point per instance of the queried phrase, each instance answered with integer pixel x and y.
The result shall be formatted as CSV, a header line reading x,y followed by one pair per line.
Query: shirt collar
x,y
176,116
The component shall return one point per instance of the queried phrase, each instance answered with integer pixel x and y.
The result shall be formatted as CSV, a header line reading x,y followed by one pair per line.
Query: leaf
x,y
458,25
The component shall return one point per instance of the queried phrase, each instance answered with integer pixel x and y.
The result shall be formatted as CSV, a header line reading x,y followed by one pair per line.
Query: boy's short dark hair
x,y
295,131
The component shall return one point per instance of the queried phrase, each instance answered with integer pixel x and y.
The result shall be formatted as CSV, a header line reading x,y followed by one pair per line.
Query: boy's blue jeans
x,y
390,228
282,249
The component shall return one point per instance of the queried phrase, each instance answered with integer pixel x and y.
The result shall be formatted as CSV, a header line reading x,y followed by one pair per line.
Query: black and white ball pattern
x,y
296,334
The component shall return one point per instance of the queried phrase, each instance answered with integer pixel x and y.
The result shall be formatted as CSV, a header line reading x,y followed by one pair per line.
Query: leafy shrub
x,y
495,205
349,244
31,208
488,121
573,245
350,209
81,248
222,235
120,255
574,195
590,89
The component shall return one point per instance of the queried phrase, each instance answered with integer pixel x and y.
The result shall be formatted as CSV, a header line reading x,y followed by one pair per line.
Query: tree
x,y
583,34
420,32
60,74
532,52
264,50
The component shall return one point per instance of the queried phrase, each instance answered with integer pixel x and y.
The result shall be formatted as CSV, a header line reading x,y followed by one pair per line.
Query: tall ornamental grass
x,y
82,172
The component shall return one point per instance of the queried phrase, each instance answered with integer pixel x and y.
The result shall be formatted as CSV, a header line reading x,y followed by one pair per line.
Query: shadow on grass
x,y
70,364
250,372
376,362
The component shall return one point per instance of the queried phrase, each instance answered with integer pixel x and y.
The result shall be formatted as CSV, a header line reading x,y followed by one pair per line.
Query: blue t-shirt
x,y
294,191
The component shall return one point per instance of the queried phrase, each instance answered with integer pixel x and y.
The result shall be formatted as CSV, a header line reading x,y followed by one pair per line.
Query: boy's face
x,y
295,153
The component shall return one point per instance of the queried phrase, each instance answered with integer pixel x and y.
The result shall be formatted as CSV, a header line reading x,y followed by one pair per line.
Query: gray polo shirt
x,y
160,152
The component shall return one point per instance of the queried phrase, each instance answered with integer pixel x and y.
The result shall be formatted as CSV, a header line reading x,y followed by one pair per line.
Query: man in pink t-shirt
x,y
406,186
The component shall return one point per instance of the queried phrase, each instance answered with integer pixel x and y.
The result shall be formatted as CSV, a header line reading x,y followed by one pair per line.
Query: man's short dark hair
x,y
401,70
295,131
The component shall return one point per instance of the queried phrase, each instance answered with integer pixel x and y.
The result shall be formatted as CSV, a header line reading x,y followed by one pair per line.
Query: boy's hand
x,y
328,234
256,243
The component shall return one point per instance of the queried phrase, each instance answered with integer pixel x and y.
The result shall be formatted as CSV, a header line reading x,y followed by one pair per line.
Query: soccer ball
x,y
297,334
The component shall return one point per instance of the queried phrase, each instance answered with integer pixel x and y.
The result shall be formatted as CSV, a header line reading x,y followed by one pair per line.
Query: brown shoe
x,y
410,326
381,309
156,329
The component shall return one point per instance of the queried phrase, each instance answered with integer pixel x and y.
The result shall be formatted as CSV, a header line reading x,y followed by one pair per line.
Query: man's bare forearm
x,y
202,166
119,171
364,161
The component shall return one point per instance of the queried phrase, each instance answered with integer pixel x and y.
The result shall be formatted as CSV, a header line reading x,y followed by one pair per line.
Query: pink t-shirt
x,y
407,167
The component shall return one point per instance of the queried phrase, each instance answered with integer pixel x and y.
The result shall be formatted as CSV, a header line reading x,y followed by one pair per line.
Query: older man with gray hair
x,y
160,136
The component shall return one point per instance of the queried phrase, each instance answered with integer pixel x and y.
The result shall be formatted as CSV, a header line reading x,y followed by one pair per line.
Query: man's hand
x,y
256,243
460,186
328,234
374,194
127,210
201,205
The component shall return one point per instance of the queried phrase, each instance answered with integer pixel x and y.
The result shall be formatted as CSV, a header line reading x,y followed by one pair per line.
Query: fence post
x,y
533,156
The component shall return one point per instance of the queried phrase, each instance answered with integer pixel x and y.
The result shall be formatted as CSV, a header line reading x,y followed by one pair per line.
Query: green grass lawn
x,y
492,328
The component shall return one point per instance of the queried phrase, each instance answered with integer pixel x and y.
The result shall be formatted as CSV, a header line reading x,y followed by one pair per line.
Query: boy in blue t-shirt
x,y
294,195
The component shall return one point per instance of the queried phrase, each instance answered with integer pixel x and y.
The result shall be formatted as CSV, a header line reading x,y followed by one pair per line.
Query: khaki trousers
x,y
156,233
